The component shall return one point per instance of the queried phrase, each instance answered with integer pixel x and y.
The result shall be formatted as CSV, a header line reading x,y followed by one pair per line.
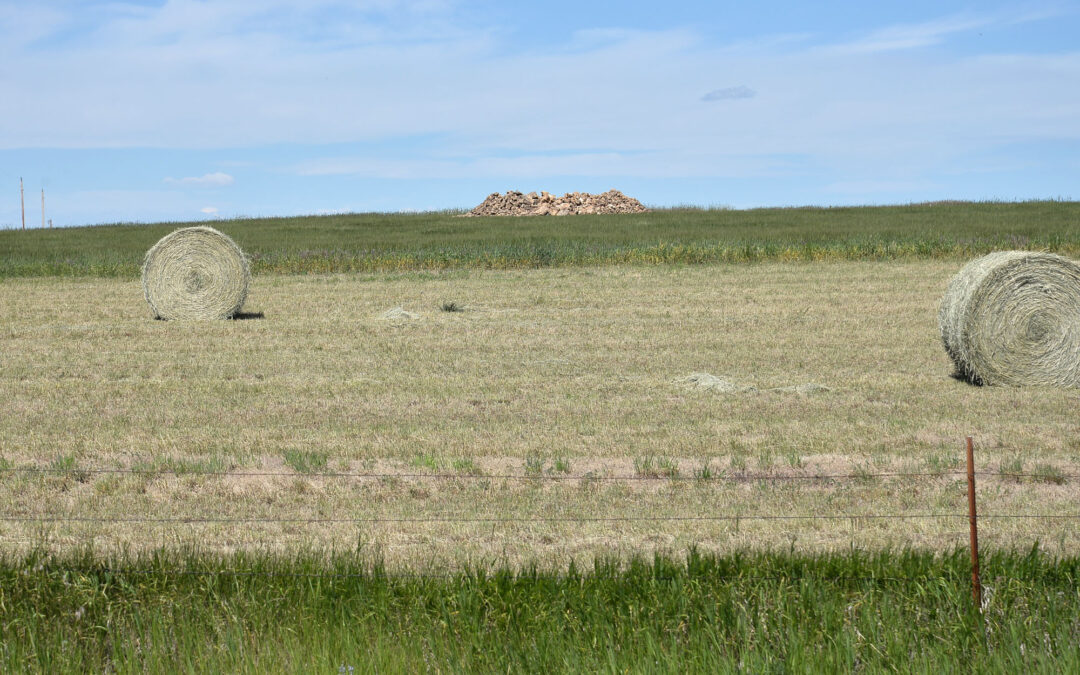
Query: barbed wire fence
x,y
972,515
736,477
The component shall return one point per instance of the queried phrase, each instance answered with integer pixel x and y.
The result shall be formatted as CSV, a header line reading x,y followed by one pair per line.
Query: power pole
x,y
43,208
22,203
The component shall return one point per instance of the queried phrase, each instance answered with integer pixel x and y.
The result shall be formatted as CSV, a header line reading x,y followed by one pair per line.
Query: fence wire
x,y
465,576
725,477
656,476
54,518
718,477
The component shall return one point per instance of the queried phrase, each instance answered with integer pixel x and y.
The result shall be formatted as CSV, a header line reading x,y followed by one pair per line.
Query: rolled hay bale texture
x,y
195,273
1013,318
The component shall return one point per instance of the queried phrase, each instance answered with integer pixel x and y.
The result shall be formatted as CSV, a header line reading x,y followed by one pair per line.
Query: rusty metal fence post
x,y
973,520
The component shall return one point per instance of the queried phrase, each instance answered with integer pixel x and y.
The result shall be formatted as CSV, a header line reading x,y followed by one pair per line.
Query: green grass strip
x,y
441,241
757,612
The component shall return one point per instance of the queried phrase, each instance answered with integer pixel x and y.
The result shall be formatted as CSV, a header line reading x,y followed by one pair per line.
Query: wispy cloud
x,y
278,83
729,94
929,33
145,76
23,24
210,180
911,36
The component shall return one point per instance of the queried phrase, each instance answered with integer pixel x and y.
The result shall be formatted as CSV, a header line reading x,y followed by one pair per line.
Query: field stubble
x,y
568,373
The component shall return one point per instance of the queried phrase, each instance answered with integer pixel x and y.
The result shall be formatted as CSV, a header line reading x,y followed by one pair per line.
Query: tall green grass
x,y
760,612
439,241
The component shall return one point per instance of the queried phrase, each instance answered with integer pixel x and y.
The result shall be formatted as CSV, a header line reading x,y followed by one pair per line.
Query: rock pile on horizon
x,y
515,203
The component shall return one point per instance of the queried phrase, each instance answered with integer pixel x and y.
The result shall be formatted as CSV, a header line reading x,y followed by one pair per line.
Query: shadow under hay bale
x,y
195,273
1013,318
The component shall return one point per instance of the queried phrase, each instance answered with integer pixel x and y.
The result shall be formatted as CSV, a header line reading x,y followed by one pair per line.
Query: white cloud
x,y
209,210
216,179
275,73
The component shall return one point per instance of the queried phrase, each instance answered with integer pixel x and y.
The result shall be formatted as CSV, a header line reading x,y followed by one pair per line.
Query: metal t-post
x,y
973,520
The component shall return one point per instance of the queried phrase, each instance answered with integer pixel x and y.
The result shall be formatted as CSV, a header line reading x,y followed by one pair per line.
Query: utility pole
x,y
43,208
22,203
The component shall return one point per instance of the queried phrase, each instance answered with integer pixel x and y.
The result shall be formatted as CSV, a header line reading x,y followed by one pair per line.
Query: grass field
x,y
906,612
439,241
569,372
305,488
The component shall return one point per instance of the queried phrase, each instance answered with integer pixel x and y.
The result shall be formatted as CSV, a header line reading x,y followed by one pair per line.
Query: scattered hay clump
x,y
195,273
725,386
1013,318
720,384
399,314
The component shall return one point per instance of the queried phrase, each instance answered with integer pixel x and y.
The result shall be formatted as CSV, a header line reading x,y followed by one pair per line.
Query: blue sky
x,y
188,110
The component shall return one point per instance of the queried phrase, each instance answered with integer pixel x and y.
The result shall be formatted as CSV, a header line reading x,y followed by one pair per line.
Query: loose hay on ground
x,y
714,383
724,386
195,273
399,314
1013,318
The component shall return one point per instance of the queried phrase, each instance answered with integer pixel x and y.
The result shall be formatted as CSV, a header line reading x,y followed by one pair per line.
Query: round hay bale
x,y
195,273
1013,318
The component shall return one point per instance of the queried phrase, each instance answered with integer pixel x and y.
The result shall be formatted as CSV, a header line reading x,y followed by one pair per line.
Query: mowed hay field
x,y
530,404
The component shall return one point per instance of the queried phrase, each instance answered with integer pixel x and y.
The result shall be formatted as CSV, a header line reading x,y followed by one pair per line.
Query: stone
x,y
516,203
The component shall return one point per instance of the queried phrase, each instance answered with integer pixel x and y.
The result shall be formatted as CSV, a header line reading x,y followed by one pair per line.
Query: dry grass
x,y
577,366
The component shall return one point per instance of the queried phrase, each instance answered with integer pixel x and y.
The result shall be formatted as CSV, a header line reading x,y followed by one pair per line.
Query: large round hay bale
x,y
195,273
1013,318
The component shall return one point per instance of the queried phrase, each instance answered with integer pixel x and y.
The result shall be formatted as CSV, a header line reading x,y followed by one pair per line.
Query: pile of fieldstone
x,y
515,203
